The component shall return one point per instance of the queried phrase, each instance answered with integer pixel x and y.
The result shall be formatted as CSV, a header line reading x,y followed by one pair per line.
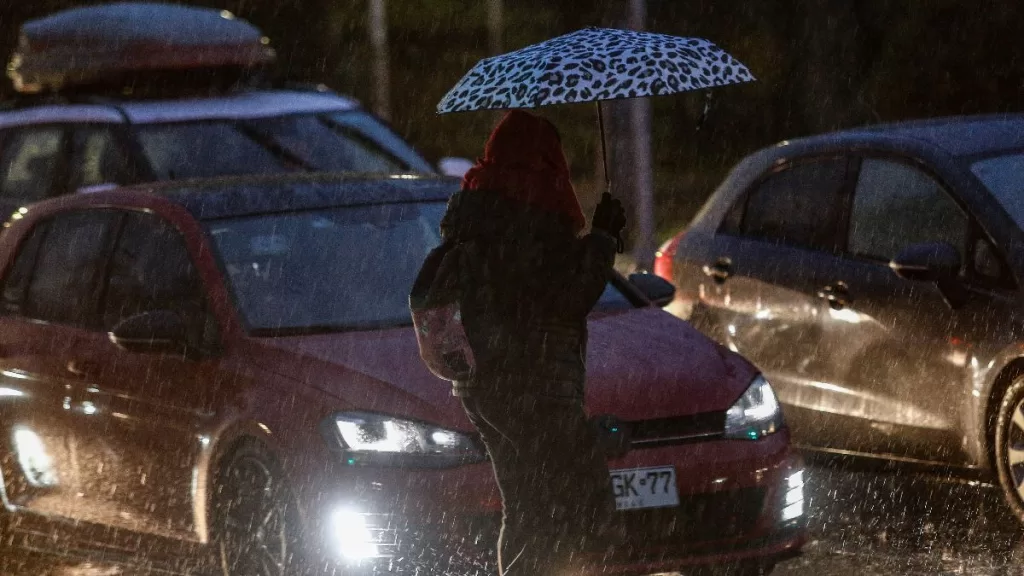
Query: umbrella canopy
x,y
592,65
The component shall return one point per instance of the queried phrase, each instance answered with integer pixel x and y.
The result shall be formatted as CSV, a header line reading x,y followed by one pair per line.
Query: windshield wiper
x,y
325,329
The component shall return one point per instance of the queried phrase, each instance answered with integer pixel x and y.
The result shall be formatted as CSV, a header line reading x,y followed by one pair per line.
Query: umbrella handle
x,y
707,109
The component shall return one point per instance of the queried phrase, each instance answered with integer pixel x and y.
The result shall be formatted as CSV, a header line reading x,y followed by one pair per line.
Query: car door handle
x,y
83,368
837,295
719,271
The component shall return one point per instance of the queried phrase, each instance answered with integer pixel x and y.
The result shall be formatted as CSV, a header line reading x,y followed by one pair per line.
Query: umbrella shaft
x,y
604,147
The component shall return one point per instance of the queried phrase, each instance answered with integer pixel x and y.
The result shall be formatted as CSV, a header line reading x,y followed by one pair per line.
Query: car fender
x,y
988,377
235,426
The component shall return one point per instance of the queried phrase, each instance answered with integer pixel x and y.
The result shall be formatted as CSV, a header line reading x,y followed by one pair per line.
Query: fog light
x,y
793,511
793,504
794,496
352,536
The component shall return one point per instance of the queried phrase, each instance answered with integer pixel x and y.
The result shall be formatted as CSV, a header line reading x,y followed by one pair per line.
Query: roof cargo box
x,y
92,44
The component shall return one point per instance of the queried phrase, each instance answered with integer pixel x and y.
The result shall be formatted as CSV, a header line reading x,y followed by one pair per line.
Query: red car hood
x,y
647,363
641,364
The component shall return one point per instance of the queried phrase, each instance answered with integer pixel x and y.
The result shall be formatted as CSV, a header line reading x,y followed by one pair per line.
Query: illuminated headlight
x,y
756,414
793,503
368,438
351,536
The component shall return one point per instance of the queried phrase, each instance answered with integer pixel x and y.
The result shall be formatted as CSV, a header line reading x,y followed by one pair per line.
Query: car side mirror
x,y
928,262
154,332
937,262
659,291
457,167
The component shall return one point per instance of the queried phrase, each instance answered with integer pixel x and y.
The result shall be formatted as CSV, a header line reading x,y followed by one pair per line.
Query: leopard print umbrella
x,y
591,65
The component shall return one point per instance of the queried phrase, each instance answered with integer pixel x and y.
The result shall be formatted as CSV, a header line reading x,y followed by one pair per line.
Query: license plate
x,y
645,488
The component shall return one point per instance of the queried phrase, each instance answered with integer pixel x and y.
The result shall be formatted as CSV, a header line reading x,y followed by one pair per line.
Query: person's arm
x,y
595,262
599,248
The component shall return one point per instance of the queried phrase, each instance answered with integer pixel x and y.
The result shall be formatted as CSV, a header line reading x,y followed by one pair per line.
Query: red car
x,y
225,371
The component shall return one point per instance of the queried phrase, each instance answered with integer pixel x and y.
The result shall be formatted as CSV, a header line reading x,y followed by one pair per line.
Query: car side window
x,y
59,267
30,160
896,205
150,269
799,205
15,286
97,157
986,263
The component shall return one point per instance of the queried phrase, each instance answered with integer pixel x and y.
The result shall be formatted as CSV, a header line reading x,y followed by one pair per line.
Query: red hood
x,y
641,364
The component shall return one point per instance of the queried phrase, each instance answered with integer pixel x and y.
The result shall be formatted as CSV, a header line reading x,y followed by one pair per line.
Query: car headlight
x,y
756,414
369,438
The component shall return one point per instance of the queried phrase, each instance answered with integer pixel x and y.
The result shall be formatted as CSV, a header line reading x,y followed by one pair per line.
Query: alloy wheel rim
x,y
255,527
1014,444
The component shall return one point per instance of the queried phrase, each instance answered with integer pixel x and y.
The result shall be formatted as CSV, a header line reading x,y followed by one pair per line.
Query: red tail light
x,y
665,255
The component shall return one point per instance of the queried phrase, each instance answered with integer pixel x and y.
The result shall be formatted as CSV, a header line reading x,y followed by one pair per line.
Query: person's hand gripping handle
x,y
610,218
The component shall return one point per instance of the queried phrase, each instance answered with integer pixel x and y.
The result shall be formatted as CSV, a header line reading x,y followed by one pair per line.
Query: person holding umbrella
x,y
525,282
501,307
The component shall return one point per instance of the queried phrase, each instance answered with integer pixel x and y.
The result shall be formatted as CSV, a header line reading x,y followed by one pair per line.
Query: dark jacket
x,y
526,284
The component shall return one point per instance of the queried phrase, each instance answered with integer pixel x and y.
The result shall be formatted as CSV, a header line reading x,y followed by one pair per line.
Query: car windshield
x,y
350,141
333,269
1002,175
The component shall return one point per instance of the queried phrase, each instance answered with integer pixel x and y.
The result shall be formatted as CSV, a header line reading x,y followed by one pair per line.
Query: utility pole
x,y
377,25
640,138
495,26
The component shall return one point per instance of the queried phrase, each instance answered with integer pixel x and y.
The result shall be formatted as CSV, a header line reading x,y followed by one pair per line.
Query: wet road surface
x,y
867,522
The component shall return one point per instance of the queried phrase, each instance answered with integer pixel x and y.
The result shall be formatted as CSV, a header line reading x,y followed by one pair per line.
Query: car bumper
x,y
739,501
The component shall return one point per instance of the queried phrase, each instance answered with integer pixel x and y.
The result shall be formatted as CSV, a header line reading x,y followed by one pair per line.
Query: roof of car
x,y
957,135
235,106
210,199
242,105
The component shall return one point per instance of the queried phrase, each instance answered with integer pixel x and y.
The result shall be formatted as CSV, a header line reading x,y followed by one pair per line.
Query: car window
x,y
204,150
29,162
20,274
896,205
372,129
799,205
986,263
1002,176
324,146
150,269
333,269
57,274
97,158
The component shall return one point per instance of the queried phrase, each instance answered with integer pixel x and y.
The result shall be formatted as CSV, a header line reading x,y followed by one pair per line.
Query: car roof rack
x,y
104,45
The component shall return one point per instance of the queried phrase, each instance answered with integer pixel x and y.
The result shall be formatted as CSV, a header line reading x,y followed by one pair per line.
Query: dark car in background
x,y
228,369
54,146
874,275
107,99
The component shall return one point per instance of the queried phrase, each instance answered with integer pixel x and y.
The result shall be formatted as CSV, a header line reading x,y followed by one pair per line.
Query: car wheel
x,y
1009,446
254,519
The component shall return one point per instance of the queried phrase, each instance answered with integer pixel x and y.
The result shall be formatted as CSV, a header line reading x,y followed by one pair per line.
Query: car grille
x,y
677,429
698,518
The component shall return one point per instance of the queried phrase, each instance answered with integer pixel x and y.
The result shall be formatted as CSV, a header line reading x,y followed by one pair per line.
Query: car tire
x,y
255,521
1009,439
